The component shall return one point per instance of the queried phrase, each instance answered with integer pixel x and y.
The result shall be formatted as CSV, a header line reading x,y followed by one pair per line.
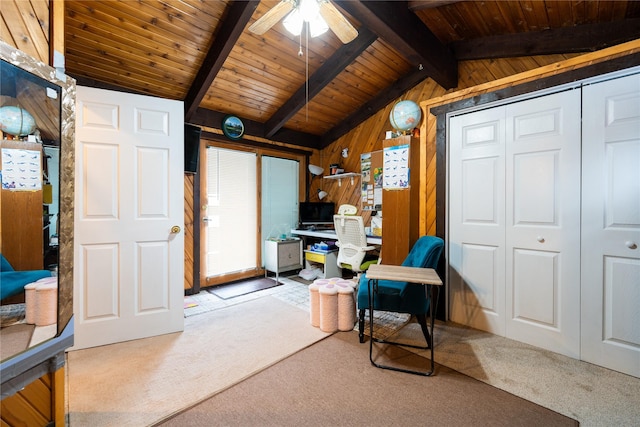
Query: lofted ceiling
x,y
201,52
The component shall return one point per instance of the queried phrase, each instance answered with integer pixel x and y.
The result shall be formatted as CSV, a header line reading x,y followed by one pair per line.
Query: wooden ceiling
x,y
203,53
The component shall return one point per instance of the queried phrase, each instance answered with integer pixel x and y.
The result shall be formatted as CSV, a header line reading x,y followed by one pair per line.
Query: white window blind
x,y
232,227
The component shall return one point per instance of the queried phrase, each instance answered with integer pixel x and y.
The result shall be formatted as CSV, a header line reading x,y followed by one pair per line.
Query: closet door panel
x,y
476,232
543,222
611,225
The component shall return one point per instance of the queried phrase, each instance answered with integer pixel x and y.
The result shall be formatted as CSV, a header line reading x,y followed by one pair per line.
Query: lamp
x,y
309,11
315,170
322,194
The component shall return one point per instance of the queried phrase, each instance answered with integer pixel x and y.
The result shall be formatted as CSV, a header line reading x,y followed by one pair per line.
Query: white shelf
x,y
339,177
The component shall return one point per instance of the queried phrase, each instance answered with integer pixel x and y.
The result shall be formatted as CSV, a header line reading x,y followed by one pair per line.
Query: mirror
x,y
36,176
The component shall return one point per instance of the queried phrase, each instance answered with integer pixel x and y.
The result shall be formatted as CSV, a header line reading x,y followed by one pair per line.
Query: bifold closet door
x,y
477,220
611,225
514,215
543,222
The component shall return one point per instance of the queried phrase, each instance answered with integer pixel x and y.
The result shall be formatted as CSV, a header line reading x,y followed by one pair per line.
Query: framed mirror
x,y
36,202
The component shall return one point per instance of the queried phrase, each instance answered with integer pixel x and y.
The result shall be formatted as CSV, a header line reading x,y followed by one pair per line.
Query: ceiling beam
x,y
380,101
232,26
576,39
340,60
415,5
209,118
393,22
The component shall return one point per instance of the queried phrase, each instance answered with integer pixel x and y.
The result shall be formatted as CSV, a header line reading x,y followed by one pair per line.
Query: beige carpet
x,y
331,383
15,339
593,395
139,382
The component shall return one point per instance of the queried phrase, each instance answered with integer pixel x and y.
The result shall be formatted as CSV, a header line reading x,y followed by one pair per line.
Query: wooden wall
x,y
25,25
369,135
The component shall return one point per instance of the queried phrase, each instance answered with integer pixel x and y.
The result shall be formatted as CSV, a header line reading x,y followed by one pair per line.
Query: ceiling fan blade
x,y
337,22
269,19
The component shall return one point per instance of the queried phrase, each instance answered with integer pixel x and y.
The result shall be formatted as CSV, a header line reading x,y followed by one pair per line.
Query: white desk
x,y
331,235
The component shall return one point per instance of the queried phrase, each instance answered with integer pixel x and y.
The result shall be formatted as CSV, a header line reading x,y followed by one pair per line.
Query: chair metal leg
x,y
373,285
422,320
361,314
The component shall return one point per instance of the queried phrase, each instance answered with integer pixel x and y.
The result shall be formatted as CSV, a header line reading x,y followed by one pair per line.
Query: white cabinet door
x,y
611,225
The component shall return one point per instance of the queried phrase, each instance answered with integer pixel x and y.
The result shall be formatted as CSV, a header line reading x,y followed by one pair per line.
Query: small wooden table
x,y
422,276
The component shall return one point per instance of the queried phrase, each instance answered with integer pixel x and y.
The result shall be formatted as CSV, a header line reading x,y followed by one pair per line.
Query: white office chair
x,y
352,243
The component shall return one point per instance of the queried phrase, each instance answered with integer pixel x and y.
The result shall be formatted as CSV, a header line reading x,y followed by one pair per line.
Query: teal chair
x,y
403,297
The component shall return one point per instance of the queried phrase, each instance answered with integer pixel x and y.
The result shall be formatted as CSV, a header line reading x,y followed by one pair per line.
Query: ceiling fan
x,y
297,11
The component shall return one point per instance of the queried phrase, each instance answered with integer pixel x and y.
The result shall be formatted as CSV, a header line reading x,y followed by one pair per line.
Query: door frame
x,y
260,149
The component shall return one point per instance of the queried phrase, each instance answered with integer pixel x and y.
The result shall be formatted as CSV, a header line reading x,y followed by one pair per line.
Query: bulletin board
x,y
371,166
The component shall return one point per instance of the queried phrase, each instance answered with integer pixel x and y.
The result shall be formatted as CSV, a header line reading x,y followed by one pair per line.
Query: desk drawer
x,y
315,257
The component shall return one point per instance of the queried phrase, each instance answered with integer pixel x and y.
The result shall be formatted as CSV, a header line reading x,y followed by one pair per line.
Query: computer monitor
x,y
316,213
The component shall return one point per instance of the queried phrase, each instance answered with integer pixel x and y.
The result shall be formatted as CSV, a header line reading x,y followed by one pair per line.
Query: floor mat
x,y
244,287
300,280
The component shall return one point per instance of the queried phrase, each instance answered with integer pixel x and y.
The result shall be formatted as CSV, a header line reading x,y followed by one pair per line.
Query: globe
x,y
405,115
16,121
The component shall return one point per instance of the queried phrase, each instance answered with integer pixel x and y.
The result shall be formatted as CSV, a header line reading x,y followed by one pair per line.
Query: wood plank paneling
x,y
30,406
189,209
21,216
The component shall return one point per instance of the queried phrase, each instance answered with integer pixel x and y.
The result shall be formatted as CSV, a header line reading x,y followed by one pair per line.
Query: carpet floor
x,y
15,339
139,382
243,287
333,383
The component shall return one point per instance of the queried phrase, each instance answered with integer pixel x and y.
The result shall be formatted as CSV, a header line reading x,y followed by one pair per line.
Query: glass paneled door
x,y
231,231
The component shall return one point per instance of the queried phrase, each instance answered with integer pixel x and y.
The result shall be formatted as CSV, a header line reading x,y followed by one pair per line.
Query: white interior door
x,y
611,225
129,215
514,210
543,222
477,220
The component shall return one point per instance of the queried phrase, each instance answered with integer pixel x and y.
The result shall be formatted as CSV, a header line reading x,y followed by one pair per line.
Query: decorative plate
x,y
232,127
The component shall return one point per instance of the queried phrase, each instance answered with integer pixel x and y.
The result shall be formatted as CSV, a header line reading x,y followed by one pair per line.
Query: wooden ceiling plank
x,y
89,28
109,19
100,64
231,29
374,105
327,72
393,22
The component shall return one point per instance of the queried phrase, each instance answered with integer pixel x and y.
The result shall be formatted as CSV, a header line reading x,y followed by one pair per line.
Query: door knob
x,y
175,229
631,245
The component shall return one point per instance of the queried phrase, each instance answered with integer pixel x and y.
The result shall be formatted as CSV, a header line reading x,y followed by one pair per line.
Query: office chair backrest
x,y
352,242
350,229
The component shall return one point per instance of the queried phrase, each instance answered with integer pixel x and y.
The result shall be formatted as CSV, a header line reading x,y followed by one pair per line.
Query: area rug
x,y
140,382
243,287
333,383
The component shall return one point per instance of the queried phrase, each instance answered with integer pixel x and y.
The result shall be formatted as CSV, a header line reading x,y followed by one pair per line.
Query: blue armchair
x,y
403,297
13,282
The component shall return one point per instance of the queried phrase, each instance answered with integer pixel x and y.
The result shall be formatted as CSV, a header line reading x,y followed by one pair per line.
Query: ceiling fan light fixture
x,y
317,26
309,11
293,22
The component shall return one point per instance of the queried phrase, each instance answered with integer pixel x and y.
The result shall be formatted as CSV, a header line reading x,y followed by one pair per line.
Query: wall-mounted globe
x,y
405,115
16,121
